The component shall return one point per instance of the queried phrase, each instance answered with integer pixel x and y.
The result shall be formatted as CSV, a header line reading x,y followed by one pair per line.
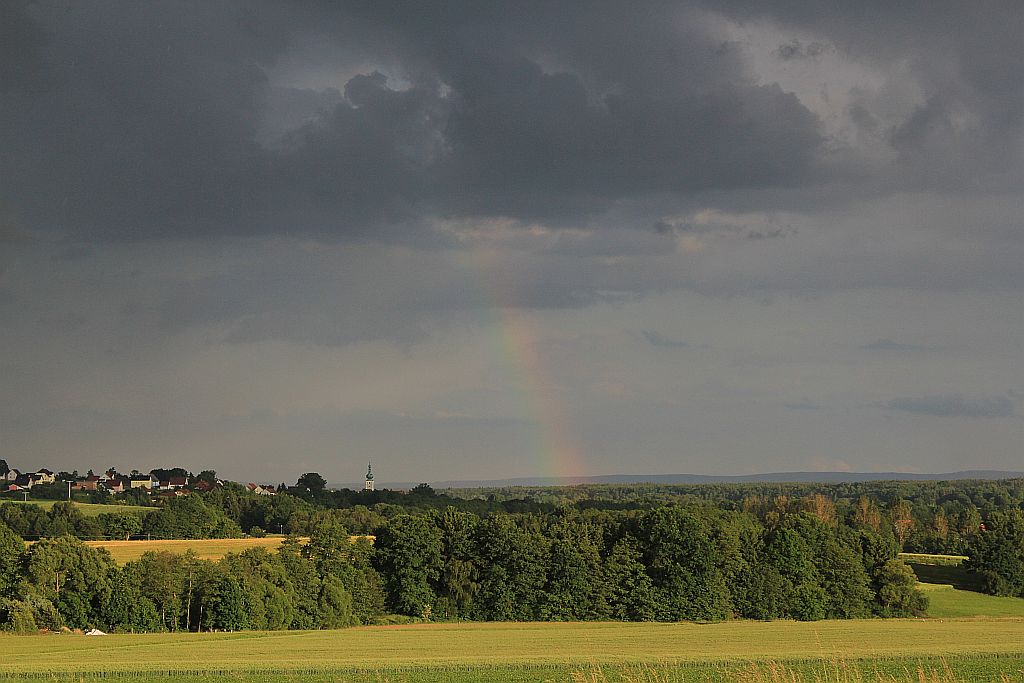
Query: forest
x,y
713,553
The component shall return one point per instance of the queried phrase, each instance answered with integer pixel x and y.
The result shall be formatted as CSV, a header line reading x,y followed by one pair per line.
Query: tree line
x,y
668,563
748,551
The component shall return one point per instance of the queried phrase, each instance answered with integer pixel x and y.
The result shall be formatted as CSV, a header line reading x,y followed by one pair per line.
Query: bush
x,y
28,615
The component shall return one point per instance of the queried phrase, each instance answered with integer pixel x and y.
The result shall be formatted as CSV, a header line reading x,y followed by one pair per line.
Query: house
x,y
173,484
113,485
24,481
12,475
45,476
261,490
141,482
90,483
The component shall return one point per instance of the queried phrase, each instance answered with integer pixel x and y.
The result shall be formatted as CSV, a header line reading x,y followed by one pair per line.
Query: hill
x,y
768,477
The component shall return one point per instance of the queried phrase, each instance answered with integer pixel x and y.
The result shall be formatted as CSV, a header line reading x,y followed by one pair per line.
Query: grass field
x,y
948,575
956,649
88,509
928,558
946,601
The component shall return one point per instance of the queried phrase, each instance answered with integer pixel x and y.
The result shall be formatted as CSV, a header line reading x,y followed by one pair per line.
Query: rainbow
x,y
557,451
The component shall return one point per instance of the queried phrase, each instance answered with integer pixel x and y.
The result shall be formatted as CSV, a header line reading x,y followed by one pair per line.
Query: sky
x,y
473,240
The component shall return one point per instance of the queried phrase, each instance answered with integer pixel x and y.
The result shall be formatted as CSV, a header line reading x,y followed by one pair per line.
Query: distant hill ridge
x,y
770,477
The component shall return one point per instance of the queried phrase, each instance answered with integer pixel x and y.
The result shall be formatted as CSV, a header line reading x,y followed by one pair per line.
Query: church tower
x,y
368,484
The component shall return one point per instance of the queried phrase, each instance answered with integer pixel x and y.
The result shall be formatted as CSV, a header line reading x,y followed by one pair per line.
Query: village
x,y
157,484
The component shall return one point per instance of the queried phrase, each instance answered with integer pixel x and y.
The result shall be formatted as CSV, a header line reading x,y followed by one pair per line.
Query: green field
x,y
929,558
88,509
946,601
952,649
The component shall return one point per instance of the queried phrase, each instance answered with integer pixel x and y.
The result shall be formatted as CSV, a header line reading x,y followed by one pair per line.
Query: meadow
x,y
942,650
946,601
969,637
933,559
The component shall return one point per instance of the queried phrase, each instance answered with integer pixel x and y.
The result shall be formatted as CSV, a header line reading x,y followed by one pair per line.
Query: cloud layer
x,y
128,122
955,405
703,234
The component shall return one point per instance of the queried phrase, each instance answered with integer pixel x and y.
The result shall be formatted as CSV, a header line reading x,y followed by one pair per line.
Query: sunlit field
x,y
947,601
970,649
205,549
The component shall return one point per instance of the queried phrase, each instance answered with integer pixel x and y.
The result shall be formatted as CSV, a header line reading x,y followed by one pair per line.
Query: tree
x,y
631,591
120,525
190,517
458,581
822,508
160,577
11,550
789,554
335,603
165,473
940,524
72,576
408,555
225,605
838,569
513,570
902,521
127,609
63,518
423,491
364,583
312,482
998,552
866,514
575,589
897,591
4,469
329,548
28,615
682,560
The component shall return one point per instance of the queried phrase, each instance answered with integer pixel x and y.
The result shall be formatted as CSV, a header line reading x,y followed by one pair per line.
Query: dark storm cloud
x,y
374,121
797,50
130,121
954,405
967,64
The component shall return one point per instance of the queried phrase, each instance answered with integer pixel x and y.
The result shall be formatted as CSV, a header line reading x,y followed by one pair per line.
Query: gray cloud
x,y
795,49
954,405
890,345
159,121
657,339
277,208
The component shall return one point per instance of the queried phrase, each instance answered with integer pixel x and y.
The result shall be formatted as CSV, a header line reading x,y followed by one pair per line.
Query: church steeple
x,y
368,484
